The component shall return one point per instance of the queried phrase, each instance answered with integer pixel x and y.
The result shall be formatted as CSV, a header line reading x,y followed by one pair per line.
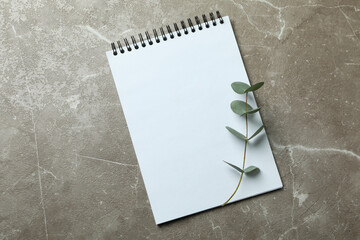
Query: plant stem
x,y
246,135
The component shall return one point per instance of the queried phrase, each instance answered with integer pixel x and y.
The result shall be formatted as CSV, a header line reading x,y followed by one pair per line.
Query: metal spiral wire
x,y
120,49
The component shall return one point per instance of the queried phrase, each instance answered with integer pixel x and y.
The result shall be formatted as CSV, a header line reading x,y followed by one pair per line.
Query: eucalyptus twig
x,y
242,108
242,173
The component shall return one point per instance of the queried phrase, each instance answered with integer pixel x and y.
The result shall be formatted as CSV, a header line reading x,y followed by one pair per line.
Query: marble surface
x,y
67,165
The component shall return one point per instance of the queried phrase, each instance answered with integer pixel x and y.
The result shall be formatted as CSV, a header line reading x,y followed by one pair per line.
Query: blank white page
x,y
176,98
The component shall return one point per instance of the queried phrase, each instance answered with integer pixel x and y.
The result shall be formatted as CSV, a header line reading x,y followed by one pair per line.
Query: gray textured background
x,y
67,166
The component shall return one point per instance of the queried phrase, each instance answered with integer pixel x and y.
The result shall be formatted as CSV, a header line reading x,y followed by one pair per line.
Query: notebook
x,y
175,90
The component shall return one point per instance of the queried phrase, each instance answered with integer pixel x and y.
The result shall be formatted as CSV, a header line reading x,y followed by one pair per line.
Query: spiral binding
x,y
163,36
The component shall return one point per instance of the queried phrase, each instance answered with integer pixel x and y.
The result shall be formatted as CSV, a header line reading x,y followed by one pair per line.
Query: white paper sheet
x,y
176,98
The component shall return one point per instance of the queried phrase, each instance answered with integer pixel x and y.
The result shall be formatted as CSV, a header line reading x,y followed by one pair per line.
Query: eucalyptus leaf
x,y
257,132
240,107
251,170
239,87
253,110
236,167
236,133
254,87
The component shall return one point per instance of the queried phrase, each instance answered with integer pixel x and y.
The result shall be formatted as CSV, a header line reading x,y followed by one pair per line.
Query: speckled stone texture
x,y
67,165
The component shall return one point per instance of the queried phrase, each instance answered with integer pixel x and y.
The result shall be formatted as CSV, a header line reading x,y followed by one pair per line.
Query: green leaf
x,y
240,107
236,167
251,169
253,110
236,133
257,132
254,87
239,87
